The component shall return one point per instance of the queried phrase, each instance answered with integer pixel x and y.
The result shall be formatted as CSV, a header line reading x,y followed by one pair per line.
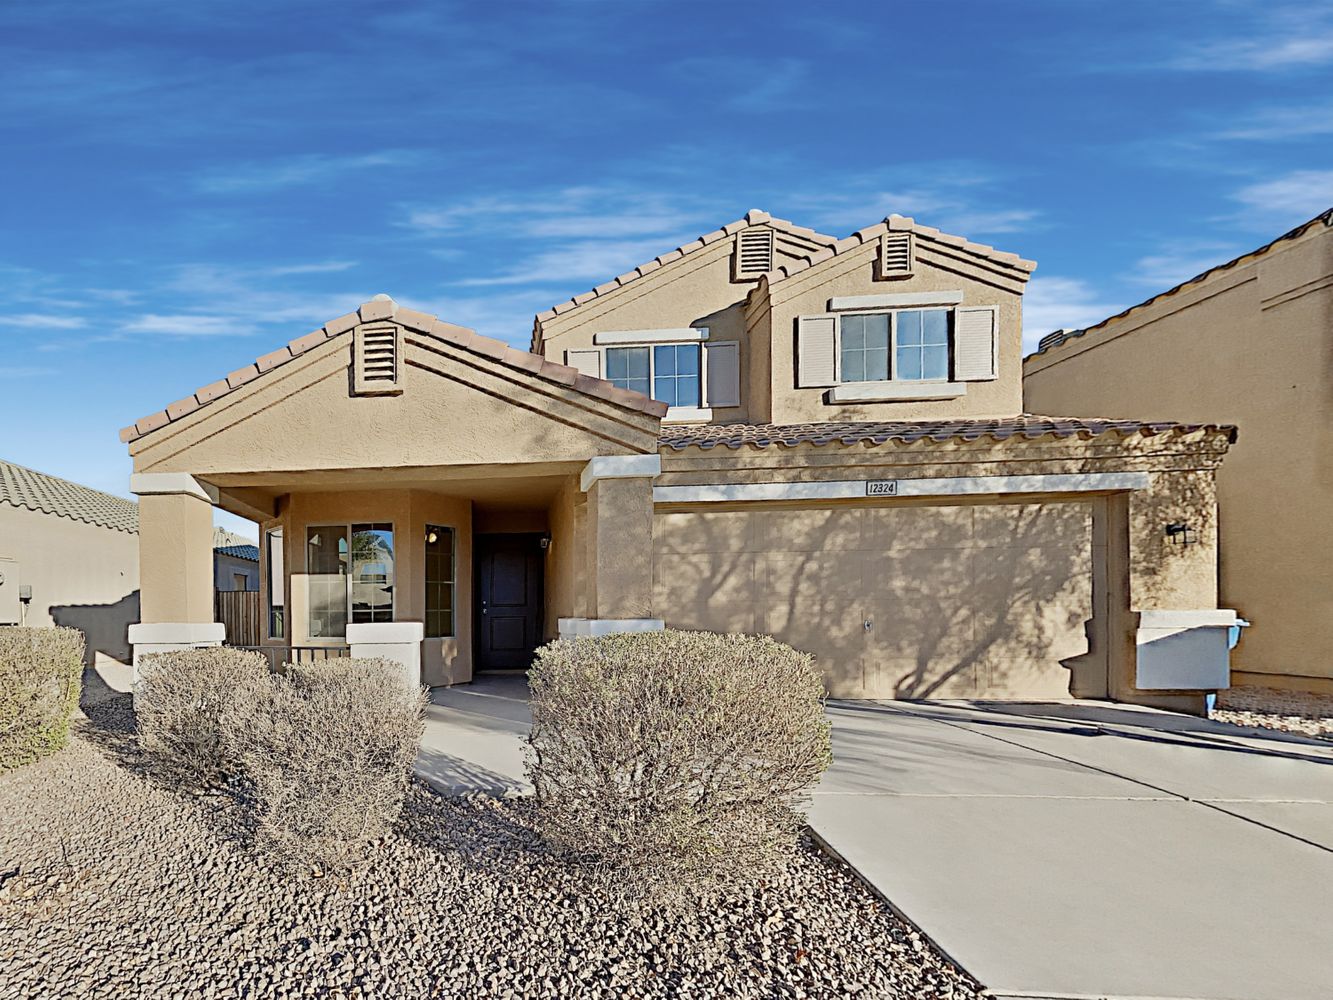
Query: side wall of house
x,y
81,575
1251,345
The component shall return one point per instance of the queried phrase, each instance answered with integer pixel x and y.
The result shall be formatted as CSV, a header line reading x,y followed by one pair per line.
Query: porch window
x,y
276,580
351,576
439,581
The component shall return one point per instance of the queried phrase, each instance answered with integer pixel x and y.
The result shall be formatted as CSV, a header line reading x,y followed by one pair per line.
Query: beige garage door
x,y
975,601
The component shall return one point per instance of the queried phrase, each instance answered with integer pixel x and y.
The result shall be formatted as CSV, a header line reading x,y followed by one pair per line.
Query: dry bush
x,y
329,747
675,758
41,670
182,700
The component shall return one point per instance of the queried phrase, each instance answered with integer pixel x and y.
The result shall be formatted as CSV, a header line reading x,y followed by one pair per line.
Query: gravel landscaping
x,y
112,886
1289,711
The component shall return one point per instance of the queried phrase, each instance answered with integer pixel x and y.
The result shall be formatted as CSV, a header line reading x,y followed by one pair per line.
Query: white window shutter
x,y
976,346
816,351
722,365
586,362
896,251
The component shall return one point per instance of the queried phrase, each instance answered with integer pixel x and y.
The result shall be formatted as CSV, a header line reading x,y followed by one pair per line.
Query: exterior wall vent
x,y
377,352
896,252
754,252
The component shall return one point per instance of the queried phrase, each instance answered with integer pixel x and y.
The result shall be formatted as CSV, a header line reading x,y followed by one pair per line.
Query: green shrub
x,y
181,701
41,670
675,757
329,747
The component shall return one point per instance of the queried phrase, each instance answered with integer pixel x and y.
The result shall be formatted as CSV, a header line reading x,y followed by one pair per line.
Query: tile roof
x,y
1061,336
36,491
382,307
849,432
753,217
248,552
902,223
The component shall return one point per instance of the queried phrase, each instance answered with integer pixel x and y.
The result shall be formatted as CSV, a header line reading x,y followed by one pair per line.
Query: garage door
x,y
969,601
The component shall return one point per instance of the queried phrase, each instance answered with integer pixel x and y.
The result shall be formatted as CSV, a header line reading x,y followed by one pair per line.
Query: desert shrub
x,y
329,747
182,700
675,757
41,670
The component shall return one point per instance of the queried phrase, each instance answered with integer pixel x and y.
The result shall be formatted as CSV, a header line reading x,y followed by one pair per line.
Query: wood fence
x,y
239,610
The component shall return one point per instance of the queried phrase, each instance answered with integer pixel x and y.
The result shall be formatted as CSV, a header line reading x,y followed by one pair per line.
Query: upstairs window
x,y
910,345
865,348
921,344
667,372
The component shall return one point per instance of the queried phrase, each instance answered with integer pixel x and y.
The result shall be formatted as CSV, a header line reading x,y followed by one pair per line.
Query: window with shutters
x,y
909,345
754,252
376,358
670,373
896,251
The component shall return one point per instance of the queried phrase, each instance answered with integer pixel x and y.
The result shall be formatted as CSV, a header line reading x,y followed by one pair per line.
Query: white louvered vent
x,y
895,255
754,252
377,351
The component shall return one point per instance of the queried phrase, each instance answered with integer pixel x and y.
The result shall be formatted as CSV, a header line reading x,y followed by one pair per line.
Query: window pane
x,y
439,581
853,333
326,569
687,390
853,366
276,581
638,361
636,385
372,573
877,365
877,331
935,327
664,390
909,362
687,359
935,362
665,360
909,328
617,365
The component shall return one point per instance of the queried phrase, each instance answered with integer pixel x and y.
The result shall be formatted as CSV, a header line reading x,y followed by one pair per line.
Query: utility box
x,y
11,610
1185,650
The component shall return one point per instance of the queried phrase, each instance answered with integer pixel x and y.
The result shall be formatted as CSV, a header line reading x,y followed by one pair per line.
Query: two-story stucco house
x,y
766,430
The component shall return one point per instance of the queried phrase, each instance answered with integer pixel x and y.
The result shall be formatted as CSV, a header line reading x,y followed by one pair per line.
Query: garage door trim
x,y
851,489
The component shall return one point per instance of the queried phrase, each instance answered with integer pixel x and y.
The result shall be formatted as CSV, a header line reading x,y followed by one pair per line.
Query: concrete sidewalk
x,y
1054,851
1092,850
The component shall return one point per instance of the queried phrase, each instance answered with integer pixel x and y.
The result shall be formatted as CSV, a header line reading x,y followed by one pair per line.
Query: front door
x,y
509,600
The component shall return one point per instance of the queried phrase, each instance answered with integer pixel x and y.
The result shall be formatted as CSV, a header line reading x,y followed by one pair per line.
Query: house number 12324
x,y
882,488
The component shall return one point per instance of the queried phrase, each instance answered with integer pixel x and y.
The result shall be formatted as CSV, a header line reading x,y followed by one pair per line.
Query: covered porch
x,y
453,517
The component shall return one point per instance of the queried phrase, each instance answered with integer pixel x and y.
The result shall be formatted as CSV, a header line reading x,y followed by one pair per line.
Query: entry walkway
x,y
1053,850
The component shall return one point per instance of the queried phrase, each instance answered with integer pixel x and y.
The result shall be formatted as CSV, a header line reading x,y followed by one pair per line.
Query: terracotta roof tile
x,y
848,432
382,309
36,491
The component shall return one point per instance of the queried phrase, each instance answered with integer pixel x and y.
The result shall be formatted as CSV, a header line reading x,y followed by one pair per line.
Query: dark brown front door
x,y
509,600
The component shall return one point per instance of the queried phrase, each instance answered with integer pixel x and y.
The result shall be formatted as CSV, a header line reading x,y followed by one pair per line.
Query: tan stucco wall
x,y
1251,345
82,575
853,273
175,559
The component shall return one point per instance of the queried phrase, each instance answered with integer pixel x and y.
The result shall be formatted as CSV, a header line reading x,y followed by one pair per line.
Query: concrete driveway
x,y
1075,850
1092,850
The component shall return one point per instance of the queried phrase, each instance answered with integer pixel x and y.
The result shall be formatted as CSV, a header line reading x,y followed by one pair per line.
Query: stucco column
x,y
175,564
617,527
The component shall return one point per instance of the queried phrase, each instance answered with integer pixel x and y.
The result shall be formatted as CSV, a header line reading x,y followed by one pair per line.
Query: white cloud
x,y
1287,200
313,168
1052,303
592,261
949,203
187,325
1284,41
22,371
1176,263
1287,122
46,321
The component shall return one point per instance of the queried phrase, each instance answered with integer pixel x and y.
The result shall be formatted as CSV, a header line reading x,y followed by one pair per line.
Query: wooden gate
x,y
239,611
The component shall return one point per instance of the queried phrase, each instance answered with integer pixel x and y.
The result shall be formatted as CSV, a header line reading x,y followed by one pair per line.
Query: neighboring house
x,y
235,562
1249,342
836,455
69,555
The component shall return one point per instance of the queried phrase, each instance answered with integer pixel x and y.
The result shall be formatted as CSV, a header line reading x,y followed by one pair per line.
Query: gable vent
x,y
376,355
895,255
754,252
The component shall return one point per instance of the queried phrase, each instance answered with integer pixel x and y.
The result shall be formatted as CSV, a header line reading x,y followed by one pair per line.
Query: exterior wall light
x,y
1179,533
545,542
432,537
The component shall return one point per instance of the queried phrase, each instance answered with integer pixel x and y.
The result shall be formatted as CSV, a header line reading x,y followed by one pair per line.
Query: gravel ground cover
x,y
112,886
1289,711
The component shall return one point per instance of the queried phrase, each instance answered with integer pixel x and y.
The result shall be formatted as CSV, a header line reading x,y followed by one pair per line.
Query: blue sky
x,y
189,185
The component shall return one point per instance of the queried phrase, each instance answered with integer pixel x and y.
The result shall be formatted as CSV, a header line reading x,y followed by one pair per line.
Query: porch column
x,y
618,532
175,564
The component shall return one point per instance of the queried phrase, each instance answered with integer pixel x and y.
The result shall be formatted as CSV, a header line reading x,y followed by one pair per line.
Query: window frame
x,y
892,313
452,633
266,582
652,368
348,528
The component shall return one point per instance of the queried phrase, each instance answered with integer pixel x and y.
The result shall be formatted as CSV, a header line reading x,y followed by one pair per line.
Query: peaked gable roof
x,y
36,491
383,308
754,217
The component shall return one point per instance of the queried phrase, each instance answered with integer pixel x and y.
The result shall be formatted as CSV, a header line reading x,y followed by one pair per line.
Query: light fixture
x,y
432,537
545,542
1179,533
